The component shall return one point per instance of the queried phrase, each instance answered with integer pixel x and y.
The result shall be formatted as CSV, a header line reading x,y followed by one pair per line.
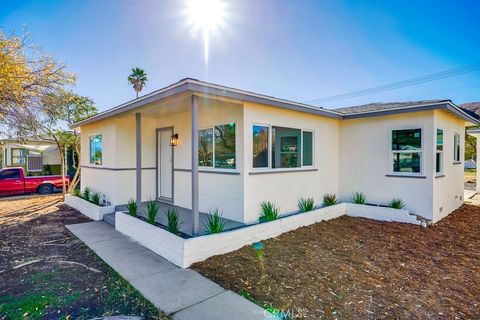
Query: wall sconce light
x,y
174,140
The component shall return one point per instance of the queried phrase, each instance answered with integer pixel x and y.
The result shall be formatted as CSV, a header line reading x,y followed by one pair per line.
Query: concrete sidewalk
x,y
181,293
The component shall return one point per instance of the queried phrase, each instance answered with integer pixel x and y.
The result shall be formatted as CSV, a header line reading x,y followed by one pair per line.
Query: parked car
x,y
14,182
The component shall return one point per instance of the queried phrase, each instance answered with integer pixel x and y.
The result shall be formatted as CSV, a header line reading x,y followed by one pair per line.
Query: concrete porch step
x,y
109,218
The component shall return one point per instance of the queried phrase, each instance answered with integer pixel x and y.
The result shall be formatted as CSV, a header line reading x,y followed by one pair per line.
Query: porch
x,y
185,217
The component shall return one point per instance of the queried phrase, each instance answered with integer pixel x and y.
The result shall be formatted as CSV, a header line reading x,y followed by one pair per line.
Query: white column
x,y
138,152
477,162
195,208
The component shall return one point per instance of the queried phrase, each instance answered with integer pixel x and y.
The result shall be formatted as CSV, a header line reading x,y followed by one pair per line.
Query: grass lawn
x,y
47,273
355,268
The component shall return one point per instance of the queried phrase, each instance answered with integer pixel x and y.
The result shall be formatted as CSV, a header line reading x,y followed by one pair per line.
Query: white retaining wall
x,y
89,209
380,213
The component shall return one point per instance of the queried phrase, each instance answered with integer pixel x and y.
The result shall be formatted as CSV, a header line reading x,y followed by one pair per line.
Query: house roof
x,y
193,85
385,108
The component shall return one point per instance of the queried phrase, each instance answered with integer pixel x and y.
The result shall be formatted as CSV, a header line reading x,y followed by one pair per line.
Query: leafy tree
x,y
138,79
470,146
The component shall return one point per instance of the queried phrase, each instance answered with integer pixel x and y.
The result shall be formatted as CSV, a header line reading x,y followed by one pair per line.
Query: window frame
x,y
441,152
24,157
213,168
457,158
90,149
269,151
391,152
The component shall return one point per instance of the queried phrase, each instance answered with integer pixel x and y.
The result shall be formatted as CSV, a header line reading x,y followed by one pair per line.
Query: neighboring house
x,y
248,148
35,156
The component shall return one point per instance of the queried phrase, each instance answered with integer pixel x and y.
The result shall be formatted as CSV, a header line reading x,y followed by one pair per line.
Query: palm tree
x,y
138,79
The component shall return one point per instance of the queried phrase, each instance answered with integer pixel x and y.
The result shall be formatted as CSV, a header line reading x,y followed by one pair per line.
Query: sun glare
x,y
205,17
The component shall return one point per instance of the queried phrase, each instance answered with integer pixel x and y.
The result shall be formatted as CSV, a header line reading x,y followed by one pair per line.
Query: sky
x,y
299,50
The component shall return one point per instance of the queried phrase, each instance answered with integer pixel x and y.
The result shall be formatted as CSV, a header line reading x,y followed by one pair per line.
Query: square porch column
x,y
477,169
195,207
138,159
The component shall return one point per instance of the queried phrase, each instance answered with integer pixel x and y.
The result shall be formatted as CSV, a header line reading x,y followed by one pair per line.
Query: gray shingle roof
x,y
382,106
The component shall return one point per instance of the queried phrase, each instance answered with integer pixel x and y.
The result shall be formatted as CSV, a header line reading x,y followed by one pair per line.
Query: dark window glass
x,y
260,146
439,139
286,147
307,148
205,147
225,156
406,162
405,140
10,174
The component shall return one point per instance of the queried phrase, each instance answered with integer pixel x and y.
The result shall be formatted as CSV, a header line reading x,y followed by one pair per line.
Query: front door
x,y
164,165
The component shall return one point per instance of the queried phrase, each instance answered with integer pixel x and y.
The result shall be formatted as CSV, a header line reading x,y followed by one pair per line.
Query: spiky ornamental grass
x,y
305,205
329,199
132,207
359,198
96,196
269,211
87,193
215,223
396,204
152,210
173,221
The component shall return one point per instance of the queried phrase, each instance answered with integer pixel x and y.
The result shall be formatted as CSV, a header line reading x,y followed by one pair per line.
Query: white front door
x,y
165,165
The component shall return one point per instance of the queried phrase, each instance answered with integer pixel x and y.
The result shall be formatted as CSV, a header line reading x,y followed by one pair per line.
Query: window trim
x,y
270,126
90,149
391,152
213,168
442,162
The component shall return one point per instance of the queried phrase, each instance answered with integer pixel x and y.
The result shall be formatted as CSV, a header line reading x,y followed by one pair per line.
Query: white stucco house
x,y
199,146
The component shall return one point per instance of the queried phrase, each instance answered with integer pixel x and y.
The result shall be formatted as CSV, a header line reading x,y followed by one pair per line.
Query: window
x,y
456,147
290,147
260,146
407,150
439,152
96,149
12,174
216,147
19,156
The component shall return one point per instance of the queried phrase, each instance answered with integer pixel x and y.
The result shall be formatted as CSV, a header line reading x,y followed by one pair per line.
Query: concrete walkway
x,y
181,293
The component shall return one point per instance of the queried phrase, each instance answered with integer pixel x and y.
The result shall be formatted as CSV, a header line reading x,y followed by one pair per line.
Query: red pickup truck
x,y
14,182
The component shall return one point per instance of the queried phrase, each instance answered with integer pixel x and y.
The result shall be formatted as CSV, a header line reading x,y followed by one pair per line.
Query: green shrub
x,y
329,199
173,221
305,205
396,204
269,211
87,193
132,207
152,210
359,198
76,192
96,198
215,223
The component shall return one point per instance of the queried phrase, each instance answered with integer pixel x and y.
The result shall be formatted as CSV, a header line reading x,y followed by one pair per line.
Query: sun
x,y
205,17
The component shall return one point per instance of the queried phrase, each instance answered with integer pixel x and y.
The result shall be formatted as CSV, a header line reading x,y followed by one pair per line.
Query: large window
x,y
439,152
456,147
407,151
19,156
216,147
289,147
96,149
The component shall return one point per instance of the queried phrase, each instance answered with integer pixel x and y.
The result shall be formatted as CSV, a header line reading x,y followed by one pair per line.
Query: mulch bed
x,y
355,268
47,273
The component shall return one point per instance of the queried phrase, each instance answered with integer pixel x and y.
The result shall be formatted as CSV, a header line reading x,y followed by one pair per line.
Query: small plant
x,y
305,205
396,204
358,198
258,248
173,221
132,207
152,210
87,193
269,211
76,192
96,196
329,199
215,223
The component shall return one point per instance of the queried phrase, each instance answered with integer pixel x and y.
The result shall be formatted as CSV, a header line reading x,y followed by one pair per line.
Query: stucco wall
x,y
365,161
449,187
286,188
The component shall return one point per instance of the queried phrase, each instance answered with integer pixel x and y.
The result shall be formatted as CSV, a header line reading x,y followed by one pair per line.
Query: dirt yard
x,y
46,273
355,268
